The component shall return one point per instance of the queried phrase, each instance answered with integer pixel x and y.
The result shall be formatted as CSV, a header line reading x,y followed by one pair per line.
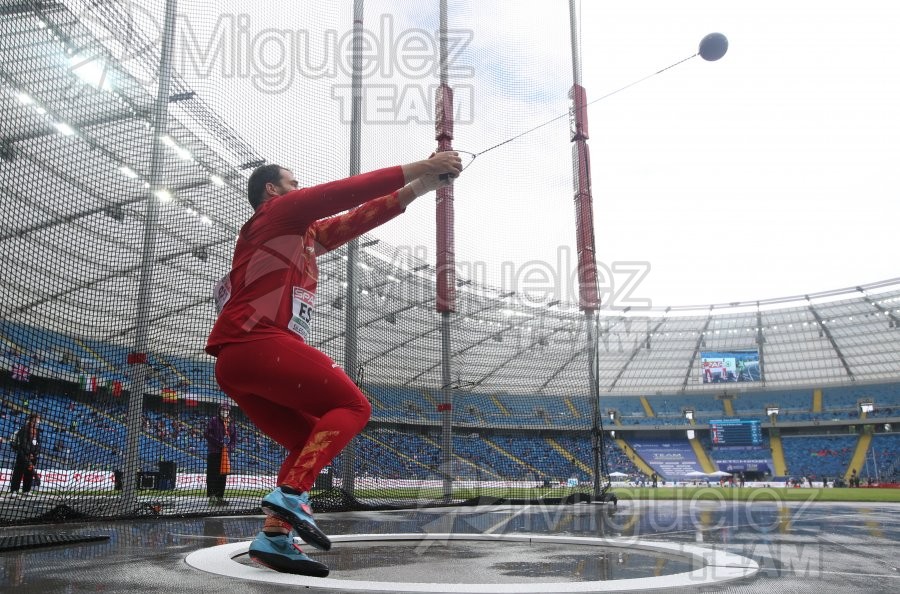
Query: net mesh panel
x,y
122,422
109,258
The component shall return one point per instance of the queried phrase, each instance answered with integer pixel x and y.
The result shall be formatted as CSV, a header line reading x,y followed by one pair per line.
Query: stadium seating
x,y
87,431
818,456
884,454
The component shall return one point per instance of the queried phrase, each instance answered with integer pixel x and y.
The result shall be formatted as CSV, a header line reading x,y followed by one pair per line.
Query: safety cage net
x,y
128,135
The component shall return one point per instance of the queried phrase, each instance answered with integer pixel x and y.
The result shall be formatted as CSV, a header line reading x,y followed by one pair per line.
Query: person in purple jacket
x,y
221,436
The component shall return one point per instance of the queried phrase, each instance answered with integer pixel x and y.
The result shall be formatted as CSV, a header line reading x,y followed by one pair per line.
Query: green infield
x,y
757,494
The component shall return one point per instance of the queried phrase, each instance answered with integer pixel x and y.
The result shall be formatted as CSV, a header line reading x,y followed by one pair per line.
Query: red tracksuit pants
x,y
299,397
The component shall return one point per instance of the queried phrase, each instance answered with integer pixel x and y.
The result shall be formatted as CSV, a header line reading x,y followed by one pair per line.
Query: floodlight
x,y
64,128
92,71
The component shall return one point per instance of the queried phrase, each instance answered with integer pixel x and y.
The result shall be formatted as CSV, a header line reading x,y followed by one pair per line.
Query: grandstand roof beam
x,y
885,312
562,368
697,347
381,317
133,113
153,320
827,332
212,122
48,130
401,345
87,140
439,363
634,353
515,356
121,18
38,8
459,352
71,218
118,273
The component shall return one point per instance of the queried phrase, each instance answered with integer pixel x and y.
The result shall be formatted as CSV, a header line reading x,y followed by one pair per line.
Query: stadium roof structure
x,y
74,228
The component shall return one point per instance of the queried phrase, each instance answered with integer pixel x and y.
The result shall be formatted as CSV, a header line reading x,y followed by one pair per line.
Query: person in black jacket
x,y
221,437
27,444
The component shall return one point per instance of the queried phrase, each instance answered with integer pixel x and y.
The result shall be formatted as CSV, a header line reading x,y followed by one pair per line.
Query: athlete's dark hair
x,y
256,185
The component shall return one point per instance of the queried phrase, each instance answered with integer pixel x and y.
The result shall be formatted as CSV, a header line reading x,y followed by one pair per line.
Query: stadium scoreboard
x,y
735,432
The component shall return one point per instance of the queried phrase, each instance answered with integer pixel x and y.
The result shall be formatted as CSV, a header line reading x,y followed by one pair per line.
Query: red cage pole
x,y
588,294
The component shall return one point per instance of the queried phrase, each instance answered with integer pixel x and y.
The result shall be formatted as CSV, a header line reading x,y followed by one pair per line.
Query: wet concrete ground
x,y
799,547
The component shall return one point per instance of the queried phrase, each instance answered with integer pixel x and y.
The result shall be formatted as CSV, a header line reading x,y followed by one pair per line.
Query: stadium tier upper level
x,y
77,174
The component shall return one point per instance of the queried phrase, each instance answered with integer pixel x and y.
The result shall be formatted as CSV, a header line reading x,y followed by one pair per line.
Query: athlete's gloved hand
x,y
428,183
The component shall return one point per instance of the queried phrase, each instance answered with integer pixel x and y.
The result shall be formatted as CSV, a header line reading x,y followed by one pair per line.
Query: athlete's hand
x,y
446,163
428,183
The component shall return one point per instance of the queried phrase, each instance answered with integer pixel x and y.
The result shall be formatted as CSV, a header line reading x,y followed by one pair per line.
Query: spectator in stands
x,y
292,392
27,445
221,437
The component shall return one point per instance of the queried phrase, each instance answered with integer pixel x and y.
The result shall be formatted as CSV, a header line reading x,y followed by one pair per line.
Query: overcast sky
x,y
772,172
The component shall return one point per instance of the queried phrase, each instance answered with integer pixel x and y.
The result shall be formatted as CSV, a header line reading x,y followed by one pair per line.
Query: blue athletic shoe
x,y
292,507
282,554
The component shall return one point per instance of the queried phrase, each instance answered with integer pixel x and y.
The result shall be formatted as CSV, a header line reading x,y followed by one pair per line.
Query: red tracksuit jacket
x,y
272,284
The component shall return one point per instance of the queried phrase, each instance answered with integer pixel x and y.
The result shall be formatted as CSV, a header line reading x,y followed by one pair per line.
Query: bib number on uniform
x,y
222,292
302,306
